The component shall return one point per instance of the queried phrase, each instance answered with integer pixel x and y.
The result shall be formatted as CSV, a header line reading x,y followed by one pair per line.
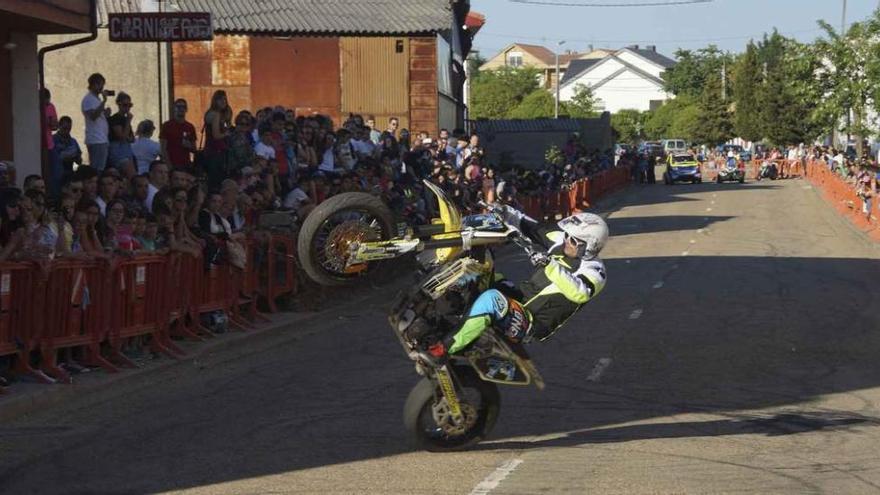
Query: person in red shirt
x,y
178,138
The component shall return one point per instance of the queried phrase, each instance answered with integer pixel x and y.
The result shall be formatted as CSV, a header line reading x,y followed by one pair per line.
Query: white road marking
x,y
658,285
708,209
693,241
635,314
685,253
495,478
600,368
712,203
714,195
699,231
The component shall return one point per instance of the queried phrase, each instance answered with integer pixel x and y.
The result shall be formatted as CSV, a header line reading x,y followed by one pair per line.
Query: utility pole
x,y
843,20
556,106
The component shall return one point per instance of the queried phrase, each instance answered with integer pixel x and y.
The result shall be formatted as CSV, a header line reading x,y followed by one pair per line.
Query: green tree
x,y
689,75
747,81
628,125
686,123
715,123
538,104
581,105
659,123
494,93
850,75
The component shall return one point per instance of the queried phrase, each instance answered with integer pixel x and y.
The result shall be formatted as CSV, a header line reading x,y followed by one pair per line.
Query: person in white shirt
x,y
95,111
297,198
265,148
145,149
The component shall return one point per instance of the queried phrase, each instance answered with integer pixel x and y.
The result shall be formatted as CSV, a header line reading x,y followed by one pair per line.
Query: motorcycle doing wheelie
x,y
457,402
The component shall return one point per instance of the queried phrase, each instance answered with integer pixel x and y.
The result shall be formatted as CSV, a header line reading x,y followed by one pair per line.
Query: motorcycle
x,y
768,171
731,171
457,402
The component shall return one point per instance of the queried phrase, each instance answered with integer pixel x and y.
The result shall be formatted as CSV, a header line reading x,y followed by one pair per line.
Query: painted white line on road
x,y
712,203
635,314
685,253
708,209
714,195
495,478
600,368
658,285
693,241
699,231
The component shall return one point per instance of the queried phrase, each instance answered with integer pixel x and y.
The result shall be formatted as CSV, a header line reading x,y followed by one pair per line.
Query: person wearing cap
x,y
144,148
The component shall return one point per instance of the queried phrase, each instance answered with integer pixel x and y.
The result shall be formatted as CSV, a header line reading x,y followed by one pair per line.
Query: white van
x,y
672,146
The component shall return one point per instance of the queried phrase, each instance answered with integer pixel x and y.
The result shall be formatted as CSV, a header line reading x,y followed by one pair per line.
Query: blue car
x,y
682,167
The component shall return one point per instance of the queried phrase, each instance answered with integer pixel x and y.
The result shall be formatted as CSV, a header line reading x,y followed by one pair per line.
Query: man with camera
x,y
95,111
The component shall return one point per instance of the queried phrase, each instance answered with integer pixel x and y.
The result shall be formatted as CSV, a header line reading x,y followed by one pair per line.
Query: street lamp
x,y
556,109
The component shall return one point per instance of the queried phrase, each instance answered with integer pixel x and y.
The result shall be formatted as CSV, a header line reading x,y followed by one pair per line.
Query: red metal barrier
x,y
181,300
248,283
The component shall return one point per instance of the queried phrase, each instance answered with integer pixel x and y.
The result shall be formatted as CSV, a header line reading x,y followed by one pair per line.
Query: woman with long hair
x,y
218,128
11,225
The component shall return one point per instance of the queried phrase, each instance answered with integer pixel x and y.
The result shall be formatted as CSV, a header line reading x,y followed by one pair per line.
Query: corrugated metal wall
x,y
298,73
375,78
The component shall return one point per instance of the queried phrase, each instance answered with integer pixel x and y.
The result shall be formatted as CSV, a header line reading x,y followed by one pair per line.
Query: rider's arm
x,y
580,286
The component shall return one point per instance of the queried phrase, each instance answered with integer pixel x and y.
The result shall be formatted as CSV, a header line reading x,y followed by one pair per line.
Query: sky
x,y
729,24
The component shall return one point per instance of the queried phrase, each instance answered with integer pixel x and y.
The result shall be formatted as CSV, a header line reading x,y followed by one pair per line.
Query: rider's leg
x,y
490,306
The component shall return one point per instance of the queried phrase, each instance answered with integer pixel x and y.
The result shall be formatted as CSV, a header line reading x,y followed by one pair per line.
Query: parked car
x,y
652,148
682,167
671,146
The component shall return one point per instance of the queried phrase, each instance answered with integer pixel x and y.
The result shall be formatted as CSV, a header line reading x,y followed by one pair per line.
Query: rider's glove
x,y
539,259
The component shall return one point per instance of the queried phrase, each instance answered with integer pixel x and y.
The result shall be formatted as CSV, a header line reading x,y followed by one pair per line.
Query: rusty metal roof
x,y
291,17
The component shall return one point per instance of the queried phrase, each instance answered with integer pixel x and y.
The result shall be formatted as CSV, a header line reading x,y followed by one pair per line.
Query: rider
x,y
568,276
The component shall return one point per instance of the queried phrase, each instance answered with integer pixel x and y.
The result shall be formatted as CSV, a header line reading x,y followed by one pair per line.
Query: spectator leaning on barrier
x,y
88,177
145,150
95,111
177,138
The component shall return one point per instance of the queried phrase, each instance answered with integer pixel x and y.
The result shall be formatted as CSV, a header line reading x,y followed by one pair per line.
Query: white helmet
x,y
589,229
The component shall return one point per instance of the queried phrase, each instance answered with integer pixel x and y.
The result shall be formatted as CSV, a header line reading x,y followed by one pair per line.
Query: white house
x,y
628,78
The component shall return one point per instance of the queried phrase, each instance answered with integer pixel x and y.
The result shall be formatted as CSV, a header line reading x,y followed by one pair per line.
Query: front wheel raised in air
x,y
330,229
428,423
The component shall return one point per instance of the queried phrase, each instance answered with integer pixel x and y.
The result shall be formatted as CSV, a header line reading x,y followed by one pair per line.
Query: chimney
x,y
590,48
633,47
651,48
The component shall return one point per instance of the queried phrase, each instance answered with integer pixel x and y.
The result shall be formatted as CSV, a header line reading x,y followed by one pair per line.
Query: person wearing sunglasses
x,y
568,275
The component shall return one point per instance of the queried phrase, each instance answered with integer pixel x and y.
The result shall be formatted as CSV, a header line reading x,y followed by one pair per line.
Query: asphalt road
x,y
735,349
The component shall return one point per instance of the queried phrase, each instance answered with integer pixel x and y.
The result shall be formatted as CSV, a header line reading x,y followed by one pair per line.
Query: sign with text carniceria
x,y
160,26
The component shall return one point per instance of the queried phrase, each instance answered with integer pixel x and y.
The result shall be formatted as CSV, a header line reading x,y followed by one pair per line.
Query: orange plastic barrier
x,y
842,196
281,255
18,313
580,195
75,313
138,306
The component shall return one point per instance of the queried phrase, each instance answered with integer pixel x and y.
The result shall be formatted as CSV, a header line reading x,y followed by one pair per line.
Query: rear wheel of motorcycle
x,y
332,226
427,435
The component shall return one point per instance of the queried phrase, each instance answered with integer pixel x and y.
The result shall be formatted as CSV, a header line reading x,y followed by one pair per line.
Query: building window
x,y
655,104
515,59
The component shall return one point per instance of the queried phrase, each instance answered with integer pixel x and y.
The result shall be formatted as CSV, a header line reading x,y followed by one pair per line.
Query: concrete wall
x,y
25,106
129,67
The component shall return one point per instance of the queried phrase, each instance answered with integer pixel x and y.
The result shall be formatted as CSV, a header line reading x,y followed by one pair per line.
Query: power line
x,y
636,4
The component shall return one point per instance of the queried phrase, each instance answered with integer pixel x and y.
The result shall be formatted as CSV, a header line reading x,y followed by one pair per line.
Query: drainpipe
x,y
41,55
